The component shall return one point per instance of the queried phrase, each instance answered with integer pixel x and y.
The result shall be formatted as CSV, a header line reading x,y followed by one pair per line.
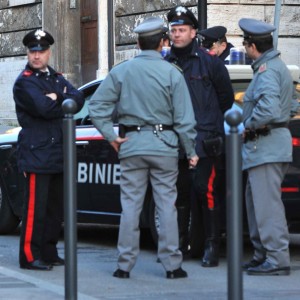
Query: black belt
x,y
252,134
278,125
157,127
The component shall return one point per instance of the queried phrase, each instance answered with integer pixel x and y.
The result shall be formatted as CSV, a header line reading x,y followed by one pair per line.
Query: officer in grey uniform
x,y
267,150
155,114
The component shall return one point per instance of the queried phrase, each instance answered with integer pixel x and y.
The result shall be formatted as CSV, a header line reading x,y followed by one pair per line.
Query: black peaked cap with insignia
x,y
151,26
181,15
213,34
38,40
256,28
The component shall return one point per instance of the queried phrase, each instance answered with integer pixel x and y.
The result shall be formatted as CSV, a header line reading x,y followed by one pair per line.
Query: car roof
x,y
239,72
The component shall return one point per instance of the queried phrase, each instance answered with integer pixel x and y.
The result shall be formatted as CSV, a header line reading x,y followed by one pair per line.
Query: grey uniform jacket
x,y
268,100
149,91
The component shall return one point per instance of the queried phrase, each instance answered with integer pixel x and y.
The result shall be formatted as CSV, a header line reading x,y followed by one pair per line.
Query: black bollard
x,y
234,206
70,200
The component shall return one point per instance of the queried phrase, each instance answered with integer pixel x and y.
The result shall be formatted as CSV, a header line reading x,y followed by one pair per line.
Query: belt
x,y
278,125
154,128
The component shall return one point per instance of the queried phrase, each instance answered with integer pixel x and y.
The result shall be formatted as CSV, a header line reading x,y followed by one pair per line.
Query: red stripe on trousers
x,y
30,218
210,188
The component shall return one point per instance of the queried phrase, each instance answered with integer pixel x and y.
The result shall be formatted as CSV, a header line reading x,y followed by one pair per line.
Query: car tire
x,y
8,221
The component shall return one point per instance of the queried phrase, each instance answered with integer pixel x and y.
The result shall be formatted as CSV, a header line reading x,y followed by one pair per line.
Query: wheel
x,y
8,221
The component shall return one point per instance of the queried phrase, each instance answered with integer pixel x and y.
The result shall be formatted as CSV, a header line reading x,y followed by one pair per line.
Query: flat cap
x,y
181,15
213,34
38,40
151,26
256,28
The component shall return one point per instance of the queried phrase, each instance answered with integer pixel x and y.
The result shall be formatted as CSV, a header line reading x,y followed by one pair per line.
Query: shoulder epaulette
x,y
27,73
212,53
177,67
262,68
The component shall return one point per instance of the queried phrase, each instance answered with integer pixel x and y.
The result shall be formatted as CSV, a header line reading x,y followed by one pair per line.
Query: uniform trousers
x,y
266,214
135,174
206,182
42,217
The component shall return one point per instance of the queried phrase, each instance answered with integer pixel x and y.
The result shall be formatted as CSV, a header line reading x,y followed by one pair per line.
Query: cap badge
x,y
39,34
180,10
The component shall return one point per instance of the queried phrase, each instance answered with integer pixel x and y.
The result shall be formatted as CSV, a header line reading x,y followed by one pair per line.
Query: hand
x,y
193,162
117,143
53,96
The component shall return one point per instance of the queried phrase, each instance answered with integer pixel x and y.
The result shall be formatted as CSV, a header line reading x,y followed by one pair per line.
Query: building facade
x,y
85,32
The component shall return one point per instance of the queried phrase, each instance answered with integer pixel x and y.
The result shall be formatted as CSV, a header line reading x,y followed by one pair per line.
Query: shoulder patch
x,y
212,53
262,68
27,73
177,67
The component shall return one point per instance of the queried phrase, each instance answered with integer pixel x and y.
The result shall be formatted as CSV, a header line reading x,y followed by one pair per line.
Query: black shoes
x,y
121,274
211,253
178,273
38,265
252,264
267,268
56,262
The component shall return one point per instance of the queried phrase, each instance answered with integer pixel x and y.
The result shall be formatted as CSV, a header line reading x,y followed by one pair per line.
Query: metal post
x,y
202,14
234,206
70,200
276,23
111,34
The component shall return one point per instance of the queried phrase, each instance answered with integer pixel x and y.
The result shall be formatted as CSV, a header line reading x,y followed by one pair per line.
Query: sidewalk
x,y
147,281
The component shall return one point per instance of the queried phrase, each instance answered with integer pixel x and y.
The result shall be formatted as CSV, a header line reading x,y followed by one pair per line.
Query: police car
x,y
98,169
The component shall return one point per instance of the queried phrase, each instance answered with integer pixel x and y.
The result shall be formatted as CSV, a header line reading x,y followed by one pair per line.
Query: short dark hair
x,y
262,45
150,42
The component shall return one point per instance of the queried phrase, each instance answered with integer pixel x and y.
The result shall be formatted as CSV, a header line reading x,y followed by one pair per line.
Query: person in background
x,y
151,125
267,149
38,94
214,39
211,92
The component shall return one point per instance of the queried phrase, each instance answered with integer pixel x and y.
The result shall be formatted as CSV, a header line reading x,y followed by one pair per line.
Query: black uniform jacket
x,y
40,140
210,89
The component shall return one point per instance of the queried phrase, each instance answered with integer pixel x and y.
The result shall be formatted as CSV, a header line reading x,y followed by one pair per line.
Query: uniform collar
x,y
272,53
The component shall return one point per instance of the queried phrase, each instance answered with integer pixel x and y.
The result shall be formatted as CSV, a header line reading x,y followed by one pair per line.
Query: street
x,y
97,255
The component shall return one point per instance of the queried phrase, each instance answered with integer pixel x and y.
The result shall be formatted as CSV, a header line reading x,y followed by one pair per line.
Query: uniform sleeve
x,y
222,84
184,119
102,104
73,93
29,97
267,98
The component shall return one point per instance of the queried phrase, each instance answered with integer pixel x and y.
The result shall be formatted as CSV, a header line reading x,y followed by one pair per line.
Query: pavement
x,y
96,262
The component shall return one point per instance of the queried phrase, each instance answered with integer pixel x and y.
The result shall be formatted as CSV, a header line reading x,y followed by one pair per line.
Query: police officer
x,y
214,39
267,150
38,94
155,112
211,93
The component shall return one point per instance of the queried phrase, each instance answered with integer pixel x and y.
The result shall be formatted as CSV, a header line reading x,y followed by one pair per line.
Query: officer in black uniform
x,y
38,94
214,39
212,94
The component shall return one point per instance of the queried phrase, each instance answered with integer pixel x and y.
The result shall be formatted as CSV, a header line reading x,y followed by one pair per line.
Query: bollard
x,y
69,107
234,206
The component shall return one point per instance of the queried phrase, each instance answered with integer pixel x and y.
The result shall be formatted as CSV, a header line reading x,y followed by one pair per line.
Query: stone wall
x,y
17,17
129,13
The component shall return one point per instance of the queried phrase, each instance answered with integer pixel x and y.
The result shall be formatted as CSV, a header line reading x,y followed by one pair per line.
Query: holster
x,y
213,146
